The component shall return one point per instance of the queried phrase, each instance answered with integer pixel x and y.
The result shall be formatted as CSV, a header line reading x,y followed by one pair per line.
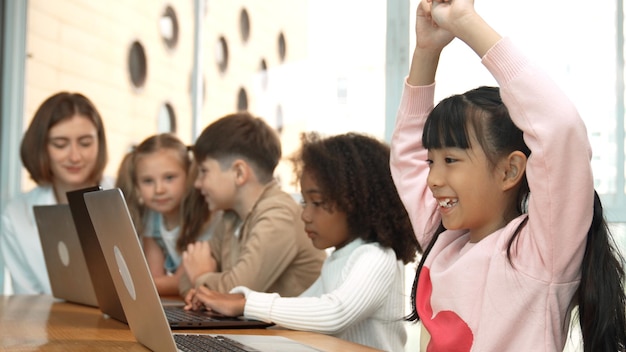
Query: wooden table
x,y
42,323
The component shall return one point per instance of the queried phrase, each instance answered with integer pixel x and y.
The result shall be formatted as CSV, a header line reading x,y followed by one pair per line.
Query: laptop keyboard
x,y
180,315
189,342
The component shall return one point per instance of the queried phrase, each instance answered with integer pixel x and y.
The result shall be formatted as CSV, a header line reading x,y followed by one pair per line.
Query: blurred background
x,y
325,65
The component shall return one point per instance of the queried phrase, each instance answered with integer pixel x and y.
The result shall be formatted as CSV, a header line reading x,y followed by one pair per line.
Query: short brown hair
x,y
56,108
241,135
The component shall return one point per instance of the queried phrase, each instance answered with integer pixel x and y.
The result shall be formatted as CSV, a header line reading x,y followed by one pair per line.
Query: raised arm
x,y
460,19
408,157
558,169
430,39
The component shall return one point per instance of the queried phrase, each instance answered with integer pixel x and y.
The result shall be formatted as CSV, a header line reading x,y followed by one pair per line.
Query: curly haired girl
x,y
349,204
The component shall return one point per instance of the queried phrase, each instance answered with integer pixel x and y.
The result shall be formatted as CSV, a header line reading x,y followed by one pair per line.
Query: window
x,y
137,64
263,74
168,27
166,119
221,54
242,100
282,47
244,25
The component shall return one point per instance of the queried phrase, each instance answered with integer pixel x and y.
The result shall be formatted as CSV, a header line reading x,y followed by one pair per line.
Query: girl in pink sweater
x,y
499,188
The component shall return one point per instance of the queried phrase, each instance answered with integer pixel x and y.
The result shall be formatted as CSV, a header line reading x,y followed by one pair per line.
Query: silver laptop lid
x,y
103,285
65,261
134,285
129,270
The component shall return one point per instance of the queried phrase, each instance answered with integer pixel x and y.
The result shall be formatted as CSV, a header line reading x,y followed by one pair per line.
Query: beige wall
x,y
82,45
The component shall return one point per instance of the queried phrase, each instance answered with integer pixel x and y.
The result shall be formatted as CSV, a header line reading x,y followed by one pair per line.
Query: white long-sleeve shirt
x,y
358,297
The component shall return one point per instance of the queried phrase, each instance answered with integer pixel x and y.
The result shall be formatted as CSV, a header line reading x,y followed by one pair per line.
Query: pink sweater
x,y
470,297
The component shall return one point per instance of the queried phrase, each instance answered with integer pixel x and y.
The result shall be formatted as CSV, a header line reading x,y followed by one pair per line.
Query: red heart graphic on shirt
x,y
448,332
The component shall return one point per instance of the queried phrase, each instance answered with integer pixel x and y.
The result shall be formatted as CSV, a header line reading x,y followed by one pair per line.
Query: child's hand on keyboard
x,y
229,304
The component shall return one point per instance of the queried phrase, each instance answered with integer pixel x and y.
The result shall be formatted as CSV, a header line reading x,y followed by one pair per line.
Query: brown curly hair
x,y
352,170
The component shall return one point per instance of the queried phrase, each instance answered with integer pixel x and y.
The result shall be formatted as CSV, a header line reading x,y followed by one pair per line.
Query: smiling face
x,y
161,180
217,185
468,190
73,150
325,226
477,158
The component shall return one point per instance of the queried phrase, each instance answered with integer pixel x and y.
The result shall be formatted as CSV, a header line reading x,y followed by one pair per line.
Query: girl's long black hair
x,y
600,297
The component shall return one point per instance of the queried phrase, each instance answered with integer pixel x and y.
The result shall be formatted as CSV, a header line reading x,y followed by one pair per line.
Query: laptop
x,y
110,218
65,262
136,290
108,301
